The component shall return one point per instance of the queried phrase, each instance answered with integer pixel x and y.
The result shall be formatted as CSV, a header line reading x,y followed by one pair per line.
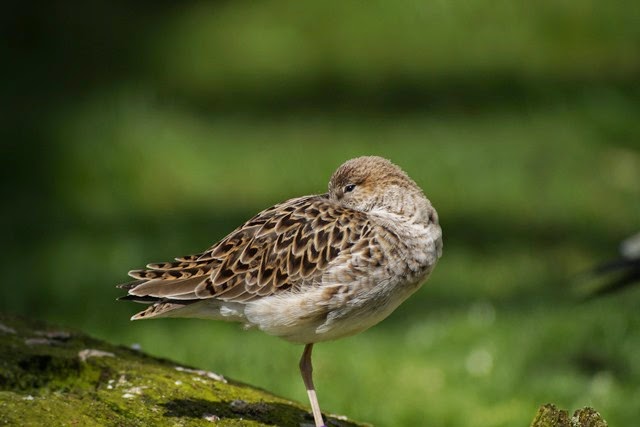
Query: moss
x,y
55,377
50,376
550,416
587,417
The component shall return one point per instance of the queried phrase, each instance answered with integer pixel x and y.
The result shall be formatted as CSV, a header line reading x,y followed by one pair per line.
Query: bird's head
x,y
370,182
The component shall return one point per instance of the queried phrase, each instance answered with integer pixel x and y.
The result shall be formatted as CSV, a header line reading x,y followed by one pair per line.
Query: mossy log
x,y
57,377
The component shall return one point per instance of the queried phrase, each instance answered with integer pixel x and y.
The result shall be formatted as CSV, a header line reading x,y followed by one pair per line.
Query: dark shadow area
x,y
277,414
454,94
59,54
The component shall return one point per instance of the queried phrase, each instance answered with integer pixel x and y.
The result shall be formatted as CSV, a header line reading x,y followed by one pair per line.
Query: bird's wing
x,y
285,247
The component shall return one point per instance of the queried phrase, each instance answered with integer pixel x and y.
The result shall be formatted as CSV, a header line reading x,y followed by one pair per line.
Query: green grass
x,y
518,119
277,49
527,200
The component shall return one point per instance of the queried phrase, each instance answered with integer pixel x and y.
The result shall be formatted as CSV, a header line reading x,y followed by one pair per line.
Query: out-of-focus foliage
x,y
138,132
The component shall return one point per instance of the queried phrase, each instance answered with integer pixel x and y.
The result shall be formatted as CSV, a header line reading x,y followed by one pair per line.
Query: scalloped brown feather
x,y
287,246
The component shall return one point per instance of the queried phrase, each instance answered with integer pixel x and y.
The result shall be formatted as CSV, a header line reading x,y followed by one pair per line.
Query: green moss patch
x,y
50,376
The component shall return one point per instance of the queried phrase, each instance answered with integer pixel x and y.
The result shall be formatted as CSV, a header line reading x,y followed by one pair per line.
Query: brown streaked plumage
x,y
310,269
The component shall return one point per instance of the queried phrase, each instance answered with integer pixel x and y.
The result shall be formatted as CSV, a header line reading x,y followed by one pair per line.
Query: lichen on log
x,y
52,376
57,377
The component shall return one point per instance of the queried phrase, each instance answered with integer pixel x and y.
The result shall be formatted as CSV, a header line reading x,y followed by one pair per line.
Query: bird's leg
x,y
307,376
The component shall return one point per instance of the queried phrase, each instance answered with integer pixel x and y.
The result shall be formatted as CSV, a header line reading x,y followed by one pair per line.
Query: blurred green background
x,y
136,132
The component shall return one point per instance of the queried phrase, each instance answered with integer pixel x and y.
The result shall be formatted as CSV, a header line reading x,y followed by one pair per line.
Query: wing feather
x,y
283,248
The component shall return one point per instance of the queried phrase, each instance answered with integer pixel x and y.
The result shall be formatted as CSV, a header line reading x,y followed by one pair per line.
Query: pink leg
x,y
307,373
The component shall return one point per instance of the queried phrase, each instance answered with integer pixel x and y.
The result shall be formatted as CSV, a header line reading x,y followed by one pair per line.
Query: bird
x,y
310,269
616,274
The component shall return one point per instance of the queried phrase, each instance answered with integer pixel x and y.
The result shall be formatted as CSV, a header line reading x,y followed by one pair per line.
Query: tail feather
x,y
135,298
130,285
160,308
189,258
202,309
178,265
173,289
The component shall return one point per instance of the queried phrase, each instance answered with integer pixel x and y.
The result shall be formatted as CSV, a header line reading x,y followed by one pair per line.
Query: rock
x,y
51,376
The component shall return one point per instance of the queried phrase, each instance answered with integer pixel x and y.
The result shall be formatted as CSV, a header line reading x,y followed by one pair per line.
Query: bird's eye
x,y
348,188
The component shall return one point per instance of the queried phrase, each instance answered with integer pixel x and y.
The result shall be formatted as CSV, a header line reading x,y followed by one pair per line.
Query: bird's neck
x,y
408,208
